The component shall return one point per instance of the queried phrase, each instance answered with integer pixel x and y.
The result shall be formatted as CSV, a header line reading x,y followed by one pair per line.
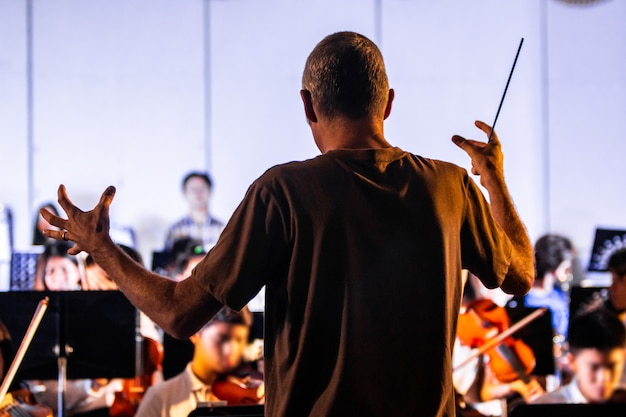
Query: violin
x,y
483,321
21,403
149,358
243,387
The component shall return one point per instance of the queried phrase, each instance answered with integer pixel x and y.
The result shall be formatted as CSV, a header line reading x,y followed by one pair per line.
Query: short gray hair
x,y
345,74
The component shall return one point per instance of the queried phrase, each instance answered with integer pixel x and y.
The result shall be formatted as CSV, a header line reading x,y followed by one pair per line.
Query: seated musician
x,y
96,279
617,293
597,340
57,270
476,381
61,272
186,254
21,403
218,351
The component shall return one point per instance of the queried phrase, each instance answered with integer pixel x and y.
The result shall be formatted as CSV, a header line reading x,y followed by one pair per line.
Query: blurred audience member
x,y
198,223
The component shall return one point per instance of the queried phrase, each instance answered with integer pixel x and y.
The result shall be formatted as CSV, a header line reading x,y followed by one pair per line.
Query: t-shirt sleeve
x,y
485,248
249,251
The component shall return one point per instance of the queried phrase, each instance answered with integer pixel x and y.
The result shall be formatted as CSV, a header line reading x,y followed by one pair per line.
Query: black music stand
x,y
586,298
538,335
605,243
84,334
253,410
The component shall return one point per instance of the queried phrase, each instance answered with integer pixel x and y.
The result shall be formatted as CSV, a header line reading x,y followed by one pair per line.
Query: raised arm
x,y
487,161
180,308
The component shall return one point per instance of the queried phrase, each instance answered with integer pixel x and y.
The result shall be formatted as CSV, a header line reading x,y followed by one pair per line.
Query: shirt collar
x,y
576,395
196,383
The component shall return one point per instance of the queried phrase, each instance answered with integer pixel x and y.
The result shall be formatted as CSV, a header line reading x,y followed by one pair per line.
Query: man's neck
x,y
345,133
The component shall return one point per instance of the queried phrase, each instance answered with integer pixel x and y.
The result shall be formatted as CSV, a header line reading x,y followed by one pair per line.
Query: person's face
x,y
220,346
191,264
61,274
598,372
197,192
617,290
563,272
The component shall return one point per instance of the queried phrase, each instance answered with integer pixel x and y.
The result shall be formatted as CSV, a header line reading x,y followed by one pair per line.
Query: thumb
x,y
458,140
462,143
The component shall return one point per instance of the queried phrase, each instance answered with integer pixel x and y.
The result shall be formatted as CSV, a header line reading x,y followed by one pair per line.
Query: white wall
x,y
587,62
135,93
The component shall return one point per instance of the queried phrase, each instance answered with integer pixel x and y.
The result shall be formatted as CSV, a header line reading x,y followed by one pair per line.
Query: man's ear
x,y
392,94
308,106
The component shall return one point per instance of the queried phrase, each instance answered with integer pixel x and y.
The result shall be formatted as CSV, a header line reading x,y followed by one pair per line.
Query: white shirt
x,y
567,394
176,397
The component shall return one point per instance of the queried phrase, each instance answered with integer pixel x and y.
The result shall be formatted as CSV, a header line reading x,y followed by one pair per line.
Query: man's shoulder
x,y
321,163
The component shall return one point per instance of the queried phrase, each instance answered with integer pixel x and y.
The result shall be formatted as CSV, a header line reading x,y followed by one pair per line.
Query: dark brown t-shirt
x,y
361,253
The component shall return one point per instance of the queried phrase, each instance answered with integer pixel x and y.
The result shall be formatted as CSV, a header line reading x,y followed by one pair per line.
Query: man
x,y
218,350
361,249
596,340
198,223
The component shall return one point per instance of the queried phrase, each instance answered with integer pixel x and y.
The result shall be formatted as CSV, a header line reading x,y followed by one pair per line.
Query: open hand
x,y
487,158
87,229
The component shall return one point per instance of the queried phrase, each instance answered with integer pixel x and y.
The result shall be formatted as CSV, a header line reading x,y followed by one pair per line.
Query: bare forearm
x,y
179,308
521,271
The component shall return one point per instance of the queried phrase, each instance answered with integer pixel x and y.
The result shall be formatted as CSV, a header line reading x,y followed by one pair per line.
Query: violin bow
x,y
493,126
28,337
500,337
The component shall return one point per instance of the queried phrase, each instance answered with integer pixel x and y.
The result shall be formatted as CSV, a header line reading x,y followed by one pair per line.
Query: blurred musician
x,y
617,291
59,271
553,265
597,340
477,382
218,352
20,401
129,394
